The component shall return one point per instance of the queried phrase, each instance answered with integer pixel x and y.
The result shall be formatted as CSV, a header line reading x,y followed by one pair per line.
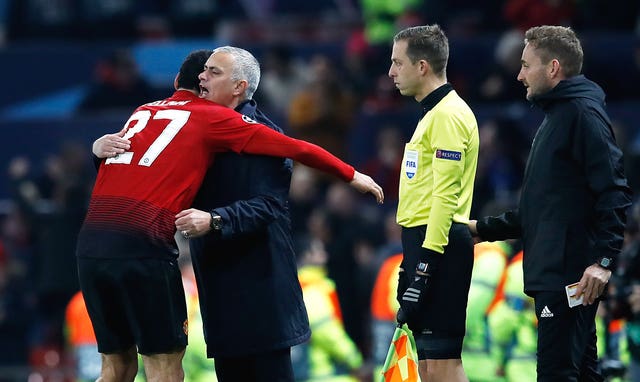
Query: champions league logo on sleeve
x,y
449,155
247,119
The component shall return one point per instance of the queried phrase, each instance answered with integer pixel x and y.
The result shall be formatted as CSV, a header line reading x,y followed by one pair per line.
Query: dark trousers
x,y
566,340
273,366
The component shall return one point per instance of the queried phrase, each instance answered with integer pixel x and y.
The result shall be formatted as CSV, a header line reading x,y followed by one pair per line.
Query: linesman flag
x,y
401,364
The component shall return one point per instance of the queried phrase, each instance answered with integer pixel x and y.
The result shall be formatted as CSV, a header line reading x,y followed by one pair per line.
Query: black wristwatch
x,y
605,262
216,222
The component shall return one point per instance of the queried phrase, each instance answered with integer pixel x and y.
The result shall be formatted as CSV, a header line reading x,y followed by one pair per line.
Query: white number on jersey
x,y
177,120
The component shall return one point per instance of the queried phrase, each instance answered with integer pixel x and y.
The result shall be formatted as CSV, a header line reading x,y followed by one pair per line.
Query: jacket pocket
x,y
545,252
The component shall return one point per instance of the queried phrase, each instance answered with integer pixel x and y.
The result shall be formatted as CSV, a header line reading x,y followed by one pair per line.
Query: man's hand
x,y
412,297
110,145
592,283
193,223
473,228
364,184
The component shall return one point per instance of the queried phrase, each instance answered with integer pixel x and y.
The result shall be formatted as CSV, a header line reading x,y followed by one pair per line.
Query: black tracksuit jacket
x,y
574,196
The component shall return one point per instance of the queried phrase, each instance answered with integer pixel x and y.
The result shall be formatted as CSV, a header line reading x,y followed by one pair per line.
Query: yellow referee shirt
x,y
438,170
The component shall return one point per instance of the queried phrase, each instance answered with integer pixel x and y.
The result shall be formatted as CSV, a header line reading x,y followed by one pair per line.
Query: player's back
x,y
137,193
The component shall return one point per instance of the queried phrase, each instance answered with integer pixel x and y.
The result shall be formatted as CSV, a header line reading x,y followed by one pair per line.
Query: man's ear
x,y
241,87
555,69
424,66
175,81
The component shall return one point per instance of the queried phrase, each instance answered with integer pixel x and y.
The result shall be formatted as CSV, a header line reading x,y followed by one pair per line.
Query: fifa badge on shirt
x,y
411,163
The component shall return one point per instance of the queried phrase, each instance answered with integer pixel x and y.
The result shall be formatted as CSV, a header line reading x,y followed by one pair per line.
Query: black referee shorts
x,y
440,328
135,302
566,339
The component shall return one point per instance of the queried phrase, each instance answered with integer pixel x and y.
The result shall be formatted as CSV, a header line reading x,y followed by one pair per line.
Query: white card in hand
x,y
571,295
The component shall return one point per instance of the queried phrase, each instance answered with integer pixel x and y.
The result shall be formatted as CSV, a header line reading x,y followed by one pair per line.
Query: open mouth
x,y
203,91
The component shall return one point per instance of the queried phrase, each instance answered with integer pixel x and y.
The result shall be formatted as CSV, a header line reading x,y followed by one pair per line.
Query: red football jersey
x,y
173,142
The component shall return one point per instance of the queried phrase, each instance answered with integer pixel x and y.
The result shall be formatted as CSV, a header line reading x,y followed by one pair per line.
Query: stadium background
x,y
74,69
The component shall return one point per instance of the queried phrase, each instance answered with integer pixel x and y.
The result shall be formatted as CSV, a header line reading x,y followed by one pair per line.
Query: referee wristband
x,y
431,258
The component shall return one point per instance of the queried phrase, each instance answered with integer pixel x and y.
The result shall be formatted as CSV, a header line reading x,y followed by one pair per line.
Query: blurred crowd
x,y
342,101
114,19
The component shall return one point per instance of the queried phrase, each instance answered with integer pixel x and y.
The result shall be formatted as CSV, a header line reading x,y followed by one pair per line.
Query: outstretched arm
x,y
492,228
268,142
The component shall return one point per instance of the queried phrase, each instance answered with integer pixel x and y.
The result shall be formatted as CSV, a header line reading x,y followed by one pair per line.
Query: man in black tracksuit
x,y
573,204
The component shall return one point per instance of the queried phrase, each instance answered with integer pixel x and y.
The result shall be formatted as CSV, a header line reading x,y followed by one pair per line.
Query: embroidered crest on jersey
x,y
411,163
449,155
247,119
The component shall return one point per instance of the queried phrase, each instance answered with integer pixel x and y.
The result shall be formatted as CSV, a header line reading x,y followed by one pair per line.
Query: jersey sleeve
x,y
266,141
449,145
228,130
232,131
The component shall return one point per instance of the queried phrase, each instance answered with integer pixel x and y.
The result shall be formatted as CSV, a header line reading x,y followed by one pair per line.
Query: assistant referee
x,y
436,187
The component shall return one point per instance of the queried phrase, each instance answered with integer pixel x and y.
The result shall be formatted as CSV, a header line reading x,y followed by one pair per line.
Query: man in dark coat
x,y
250,297
572,208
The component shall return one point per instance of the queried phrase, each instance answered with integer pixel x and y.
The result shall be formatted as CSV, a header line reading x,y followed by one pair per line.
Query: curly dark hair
x,y
191,67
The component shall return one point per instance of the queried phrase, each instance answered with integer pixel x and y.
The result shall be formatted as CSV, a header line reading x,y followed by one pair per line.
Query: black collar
x,y
434,97
247,107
